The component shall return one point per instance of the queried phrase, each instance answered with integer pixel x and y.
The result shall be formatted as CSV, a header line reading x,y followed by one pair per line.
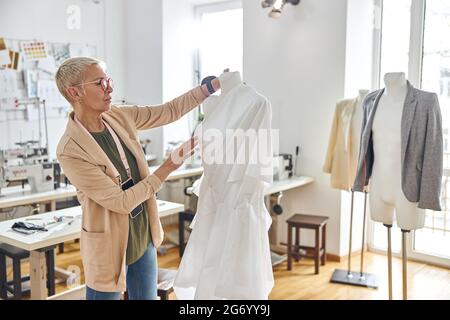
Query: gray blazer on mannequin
x,y
421,147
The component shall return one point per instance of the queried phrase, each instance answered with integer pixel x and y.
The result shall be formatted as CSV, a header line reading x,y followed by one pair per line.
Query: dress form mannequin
x,y
356,133
341,276
385,185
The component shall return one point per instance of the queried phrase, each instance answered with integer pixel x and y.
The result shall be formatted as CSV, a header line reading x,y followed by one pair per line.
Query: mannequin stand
x,y
389,254
404,262
355,278
404,265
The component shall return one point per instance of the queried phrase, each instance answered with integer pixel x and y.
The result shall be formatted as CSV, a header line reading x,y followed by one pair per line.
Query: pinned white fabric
x,y
228,252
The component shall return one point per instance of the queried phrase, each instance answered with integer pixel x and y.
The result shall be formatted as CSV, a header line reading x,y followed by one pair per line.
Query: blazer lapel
x,y
88,144
371,116
131,144
409,109
346,116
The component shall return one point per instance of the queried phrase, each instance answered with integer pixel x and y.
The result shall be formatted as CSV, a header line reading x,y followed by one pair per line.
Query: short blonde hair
x,y
71,72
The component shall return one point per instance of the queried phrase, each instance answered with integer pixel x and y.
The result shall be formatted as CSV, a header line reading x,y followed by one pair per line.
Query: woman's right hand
x,y
183,152
176,158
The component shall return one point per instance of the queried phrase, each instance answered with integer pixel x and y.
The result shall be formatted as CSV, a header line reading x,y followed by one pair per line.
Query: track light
x,y
277,6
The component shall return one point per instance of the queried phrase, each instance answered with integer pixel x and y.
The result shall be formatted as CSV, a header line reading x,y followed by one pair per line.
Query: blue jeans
x,y
142,277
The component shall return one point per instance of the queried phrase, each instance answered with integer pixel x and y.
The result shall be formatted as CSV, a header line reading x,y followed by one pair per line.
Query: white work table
x,y
287,184
57,233
18,196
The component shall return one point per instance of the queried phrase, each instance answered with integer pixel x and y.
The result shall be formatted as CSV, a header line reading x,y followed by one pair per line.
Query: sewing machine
x,y
282,166
29,164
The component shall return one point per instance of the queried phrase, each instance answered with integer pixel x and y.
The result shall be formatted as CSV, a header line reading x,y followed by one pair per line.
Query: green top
x,y
139,231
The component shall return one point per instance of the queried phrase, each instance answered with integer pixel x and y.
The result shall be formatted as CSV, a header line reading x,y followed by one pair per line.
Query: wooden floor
x,y
424,281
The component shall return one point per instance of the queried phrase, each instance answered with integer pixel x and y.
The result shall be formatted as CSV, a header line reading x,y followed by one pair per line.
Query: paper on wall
x,y
4,57
31,80
80,50
8,84
14,57
48,65
2,44
48,90
61,52
34,50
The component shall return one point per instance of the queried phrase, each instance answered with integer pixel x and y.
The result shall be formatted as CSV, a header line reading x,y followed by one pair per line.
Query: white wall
x,y
358,75
298,63
45,20
179,45
143,59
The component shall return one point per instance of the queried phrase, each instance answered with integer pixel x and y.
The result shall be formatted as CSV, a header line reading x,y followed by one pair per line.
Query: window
x,y
434,238
220,38
395,26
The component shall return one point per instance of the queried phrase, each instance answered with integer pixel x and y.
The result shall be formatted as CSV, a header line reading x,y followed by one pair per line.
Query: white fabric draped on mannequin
x,y
228,252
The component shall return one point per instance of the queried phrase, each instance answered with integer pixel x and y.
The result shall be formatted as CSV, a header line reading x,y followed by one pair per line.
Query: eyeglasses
x,y
105,83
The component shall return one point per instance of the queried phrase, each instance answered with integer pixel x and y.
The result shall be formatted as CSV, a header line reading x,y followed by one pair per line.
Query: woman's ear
x,y
73,93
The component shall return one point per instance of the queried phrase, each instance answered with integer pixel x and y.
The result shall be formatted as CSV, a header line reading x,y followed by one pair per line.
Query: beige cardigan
x,y
340,160
104,204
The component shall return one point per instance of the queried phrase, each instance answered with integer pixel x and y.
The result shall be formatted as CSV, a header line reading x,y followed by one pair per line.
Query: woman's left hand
x,y
211,81
216,84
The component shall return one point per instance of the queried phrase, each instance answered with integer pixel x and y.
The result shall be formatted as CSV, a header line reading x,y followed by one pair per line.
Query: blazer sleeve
x,y
432,166
361,183
98,186
331,143
146,117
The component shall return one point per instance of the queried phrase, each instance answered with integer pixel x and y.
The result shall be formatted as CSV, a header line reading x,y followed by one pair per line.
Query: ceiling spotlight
x,y
277,6
267,3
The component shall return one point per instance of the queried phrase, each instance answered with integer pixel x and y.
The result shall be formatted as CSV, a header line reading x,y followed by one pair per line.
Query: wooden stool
x,y
166,278
17,254
317,223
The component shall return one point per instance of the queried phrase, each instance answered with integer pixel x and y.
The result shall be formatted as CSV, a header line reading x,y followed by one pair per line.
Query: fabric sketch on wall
x,y
61,52
8,84
31,80
34,50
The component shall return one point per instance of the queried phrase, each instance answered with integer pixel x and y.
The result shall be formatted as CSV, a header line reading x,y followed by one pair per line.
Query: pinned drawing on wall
x,y
8,84
14,57
48,65
31,81
14,60
34,50
48,90
61,52
4,57
82,50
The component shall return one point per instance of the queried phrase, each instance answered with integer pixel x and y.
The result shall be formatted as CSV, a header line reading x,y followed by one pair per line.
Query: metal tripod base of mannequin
x,y
361,279
355,278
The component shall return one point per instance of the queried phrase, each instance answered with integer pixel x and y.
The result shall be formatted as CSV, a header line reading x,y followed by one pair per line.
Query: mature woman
x,y
101,155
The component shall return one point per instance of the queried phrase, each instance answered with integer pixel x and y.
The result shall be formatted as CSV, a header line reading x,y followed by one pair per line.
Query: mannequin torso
x,y
386,190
